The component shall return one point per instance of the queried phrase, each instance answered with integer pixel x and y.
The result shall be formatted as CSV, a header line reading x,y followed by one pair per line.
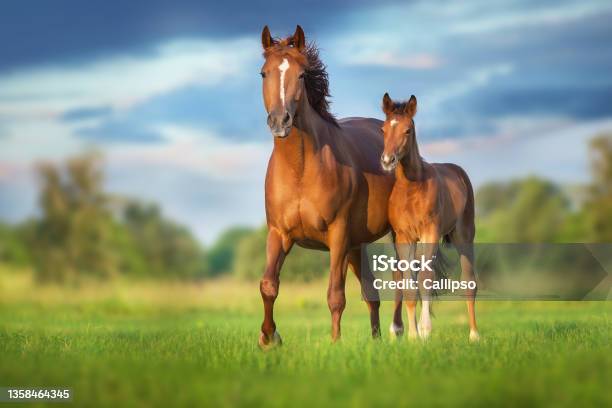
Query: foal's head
x,y
398,129
292,70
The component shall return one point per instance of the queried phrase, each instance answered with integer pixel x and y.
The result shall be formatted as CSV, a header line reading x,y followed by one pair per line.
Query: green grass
x,y
131,344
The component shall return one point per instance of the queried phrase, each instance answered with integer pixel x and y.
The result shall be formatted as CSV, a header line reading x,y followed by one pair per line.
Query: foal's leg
x,y
396,329
354,259
338,254
406,250
268,286
430,242
463,241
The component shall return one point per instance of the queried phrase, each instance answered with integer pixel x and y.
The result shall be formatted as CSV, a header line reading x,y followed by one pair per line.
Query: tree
x,y
300,265
72,237
528,210
80,235
598,205
169,250
12,246
222,254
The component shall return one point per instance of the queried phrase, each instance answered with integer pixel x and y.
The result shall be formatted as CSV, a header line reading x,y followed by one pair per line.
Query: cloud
x,y
538,15
199,151
87,113
123,81
119,131
553,148
389,59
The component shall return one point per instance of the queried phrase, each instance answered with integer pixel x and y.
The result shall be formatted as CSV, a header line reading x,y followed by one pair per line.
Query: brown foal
x,y
428,202
324,185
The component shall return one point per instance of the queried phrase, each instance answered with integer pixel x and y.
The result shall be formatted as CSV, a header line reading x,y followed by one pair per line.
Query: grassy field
x,y
154,344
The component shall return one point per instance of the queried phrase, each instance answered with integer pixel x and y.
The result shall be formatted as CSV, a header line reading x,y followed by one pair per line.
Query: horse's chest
x,y
302,211
408,212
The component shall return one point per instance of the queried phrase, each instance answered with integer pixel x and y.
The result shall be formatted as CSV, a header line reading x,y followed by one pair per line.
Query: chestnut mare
x,y
324,186
428,202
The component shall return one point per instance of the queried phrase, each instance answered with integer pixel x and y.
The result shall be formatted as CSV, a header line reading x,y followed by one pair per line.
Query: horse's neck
x,y
412,166
309,133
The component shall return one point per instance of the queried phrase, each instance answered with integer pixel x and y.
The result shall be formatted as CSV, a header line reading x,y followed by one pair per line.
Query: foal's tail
x,y
469,212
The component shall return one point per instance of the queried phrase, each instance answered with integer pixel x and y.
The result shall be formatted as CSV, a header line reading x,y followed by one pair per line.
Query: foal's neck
x,y
411,166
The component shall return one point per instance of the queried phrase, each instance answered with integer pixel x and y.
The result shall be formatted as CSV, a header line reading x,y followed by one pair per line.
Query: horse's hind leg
x,y
463,240
366,280
276,250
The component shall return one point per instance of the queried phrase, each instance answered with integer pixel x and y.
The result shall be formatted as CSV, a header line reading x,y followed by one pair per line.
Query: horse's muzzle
x,y
388,162
280,124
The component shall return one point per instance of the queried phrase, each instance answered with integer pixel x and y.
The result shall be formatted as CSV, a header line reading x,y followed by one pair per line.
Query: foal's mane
x,y
316,79
399,107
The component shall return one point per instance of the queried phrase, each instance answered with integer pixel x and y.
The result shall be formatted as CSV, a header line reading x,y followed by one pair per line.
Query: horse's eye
x,y
409,131
263,74
302,75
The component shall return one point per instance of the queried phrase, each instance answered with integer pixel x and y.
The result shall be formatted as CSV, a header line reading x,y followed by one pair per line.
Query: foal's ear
x,y
387,105
411,106
266,38
298,40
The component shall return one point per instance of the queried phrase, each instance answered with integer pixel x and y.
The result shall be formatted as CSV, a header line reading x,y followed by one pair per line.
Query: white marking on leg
x,y
474,336
425,321
393,122
395,330
283,67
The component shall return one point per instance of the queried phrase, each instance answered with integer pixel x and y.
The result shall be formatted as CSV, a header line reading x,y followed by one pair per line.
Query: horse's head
x,y
398,129
283,78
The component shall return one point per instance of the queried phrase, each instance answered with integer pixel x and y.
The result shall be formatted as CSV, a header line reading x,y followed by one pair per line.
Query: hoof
x,y
376,333
474,336
396,331
424,332
268,344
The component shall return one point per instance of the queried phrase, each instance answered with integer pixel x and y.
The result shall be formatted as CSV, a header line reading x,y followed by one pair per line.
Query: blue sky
x,y
170,91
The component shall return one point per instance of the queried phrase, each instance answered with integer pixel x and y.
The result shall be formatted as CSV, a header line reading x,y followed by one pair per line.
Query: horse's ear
x,y
411,106
266,38
387,105
299,40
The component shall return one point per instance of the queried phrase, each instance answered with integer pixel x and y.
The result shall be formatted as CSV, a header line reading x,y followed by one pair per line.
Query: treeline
x,y
84,232
538,210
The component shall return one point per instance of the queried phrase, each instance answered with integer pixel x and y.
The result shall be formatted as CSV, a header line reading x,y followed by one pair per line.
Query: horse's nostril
x,y
286,118
388,160
270,120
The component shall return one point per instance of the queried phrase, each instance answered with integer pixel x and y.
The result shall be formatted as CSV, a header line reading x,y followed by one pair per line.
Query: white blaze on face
x,y
393,122
283,67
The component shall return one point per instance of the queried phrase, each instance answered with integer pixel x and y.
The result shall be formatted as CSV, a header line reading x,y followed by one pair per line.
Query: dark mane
x,y
317,83
316,79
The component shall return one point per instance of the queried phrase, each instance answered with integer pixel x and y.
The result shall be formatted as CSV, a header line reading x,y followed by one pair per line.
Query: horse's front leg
x,y
430,243
276,252
405,249
338,254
